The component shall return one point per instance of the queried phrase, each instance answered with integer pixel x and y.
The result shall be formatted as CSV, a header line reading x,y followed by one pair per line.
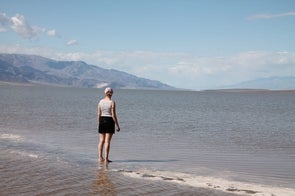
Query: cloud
x,y
192,71
52,33
4,22
182,70
72,42
21,26
271,16
2,29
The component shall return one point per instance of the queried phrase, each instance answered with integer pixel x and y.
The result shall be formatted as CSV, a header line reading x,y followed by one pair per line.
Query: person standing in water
x,y
107,121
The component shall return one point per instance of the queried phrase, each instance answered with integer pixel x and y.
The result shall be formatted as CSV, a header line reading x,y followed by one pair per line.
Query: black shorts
x,y
106,125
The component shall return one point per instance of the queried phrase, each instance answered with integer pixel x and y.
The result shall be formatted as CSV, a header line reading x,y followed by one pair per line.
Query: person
x,y
107,122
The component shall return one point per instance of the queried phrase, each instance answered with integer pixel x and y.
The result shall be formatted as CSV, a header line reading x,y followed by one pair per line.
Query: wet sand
x,y
31,175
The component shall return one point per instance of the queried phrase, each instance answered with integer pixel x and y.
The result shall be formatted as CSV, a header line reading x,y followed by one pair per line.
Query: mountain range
x,y
40,70
269,83
36,69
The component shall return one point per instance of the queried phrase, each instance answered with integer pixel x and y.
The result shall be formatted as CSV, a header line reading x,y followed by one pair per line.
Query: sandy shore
x,y
33,175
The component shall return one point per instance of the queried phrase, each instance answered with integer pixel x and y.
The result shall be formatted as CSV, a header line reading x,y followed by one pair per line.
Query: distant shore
x,y
2,83
238,90
246,90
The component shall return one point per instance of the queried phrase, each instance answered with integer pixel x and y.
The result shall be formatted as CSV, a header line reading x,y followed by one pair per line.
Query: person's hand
x,y
118,129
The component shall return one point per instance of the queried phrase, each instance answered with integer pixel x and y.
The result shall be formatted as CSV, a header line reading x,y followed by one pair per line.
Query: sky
x,y
191,44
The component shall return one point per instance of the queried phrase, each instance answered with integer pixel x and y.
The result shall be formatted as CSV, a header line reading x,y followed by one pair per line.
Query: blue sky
x,y
195,44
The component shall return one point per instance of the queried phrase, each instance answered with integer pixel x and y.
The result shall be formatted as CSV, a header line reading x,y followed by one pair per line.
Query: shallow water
x,y
192,141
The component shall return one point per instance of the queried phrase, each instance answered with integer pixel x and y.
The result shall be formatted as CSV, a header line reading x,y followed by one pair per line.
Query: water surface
x,y
222,141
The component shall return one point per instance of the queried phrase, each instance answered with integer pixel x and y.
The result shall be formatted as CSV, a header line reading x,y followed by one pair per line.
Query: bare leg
x,y
100,146
108,139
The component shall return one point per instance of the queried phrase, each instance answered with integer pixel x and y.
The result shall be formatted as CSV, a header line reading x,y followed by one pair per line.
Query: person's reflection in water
x,y
103,185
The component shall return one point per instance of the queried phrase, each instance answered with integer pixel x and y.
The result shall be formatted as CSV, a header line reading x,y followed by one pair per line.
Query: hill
x,y
270,83
36,69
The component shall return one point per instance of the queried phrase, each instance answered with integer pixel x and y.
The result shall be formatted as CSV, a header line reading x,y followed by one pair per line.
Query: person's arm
x,y
98,113
114,115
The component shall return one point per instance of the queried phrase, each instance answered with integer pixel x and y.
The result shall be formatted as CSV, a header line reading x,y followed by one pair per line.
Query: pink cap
x,y
108,89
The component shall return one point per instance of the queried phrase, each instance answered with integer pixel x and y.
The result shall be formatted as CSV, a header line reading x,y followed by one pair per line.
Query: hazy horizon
x,y
186,44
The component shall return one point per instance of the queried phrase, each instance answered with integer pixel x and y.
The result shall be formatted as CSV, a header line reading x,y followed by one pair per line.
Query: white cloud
x,y
72,42
271,16
192,71
2,29
181,69
23,28
4,22
20,25
52,33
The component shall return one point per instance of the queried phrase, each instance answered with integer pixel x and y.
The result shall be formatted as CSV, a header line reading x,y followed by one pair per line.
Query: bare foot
x,y
108,161
101,160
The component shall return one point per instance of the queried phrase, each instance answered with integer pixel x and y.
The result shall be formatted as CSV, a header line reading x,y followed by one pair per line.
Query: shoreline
x,y
233,90
248,90
27,175
56,174
211,183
